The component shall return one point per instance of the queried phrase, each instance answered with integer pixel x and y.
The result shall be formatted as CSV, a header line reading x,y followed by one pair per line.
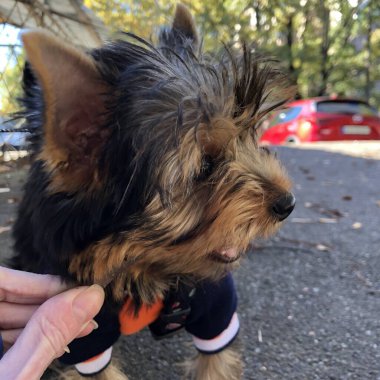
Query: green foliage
x,y
321,42
328,46
10,82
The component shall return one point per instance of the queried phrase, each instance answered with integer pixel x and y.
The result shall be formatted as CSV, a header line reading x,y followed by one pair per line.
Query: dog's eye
x,y
207,167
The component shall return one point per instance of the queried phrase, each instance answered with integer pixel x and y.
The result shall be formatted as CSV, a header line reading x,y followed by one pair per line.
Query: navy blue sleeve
x,y
212,308
98,341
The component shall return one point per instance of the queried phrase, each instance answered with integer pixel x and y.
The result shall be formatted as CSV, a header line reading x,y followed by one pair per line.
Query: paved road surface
x,y
310,297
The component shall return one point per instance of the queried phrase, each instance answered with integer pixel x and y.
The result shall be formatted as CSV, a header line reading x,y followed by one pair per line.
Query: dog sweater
x,y
212,321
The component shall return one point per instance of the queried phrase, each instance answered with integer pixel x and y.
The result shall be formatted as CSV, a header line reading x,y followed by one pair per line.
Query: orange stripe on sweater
x,y
131,323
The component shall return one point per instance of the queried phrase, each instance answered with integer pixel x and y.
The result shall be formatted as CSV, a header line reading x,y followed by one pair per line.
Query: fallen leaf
x,y
347,198
4,229
325,211
304,170
334,212
362,278
327,220
259,336
302,220
322,247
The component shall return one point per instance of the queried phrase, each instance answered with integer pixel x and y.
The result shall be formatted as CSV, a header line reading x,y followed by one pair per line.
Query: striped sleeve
x,y
93,366
213,321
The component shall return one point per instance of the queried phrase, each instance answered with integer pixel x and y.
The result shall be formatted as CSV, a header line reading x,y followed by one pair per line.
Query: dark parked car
x,y
322,119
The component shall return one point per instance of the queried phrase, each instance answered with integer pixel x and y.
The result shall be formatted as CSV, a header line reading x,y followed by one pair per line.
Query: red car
x,y
322,119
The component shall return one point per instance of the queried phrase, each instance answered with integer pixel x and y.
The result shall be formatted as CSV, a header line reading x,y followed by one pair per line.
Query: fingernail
x,y
87,303
92,322
66,349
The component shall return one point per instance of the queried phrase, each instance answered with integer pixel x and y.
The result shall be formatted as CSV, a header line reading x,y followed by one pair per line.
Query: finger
x,y
53,326
14,315
23,287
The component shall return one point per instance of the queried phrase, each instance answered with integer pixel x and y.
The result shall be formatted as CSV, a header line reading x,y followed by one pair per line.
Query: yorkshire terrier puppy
x,y
147,178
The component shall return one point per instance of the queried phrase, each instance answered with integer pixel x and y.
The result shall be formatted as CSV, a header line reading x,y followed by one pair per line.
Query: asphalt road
x,y
309,297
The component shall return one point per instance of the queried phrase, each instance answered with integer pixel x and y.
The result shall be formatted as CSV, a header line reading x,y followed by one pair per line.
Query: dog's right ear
x,y
184,23
183,32
74,108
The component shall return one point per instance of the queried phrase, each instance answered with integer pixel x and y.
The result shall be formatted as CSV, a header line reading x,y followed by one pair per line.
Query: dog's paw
x,y
112,372
225,365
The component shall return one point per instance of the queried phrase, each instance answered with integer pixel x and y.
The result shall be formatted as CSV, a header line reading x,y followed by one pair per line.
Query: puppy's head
x,y
166,137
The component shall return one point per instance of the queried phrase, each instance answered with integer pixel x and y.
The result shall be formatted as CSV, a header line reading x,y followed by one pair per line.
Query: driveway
x,y
309,297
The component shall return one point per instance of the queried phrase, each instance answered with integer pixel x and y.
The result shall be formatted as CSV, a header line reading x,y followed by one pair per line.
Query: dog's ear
x,y
74,100
184,23
183,32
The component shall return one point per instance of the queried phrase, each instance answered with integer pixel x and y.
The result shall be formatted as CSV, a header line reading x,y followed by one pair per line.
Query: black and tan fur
x,y
146,164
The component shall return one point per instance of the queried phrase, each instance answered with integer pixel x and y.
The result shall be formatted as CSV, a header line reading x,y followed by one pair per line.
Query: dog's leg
x,y
225,365
112,372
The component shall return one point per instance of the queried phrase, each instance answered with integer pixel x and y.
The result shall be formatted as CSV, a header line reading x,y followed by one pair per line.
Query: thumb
x,y
53,326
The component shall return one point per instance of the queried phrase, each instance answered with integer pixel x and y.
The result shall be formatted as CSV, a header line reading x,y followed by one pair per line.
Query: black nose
x,y
283,207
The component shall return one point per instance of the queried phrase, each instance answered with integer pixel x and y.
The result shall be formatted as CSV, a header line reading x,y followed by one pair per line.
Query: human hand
x,y
39,318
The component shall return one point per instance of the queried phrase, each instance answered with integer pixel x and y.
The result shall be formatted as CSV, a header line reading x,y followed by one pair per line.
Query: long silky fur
x,y
225,365
173,173
165,106
112,372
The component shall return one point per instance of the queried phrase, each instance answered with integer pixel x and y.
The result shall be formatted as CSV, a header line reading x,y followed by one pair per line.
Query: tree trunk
x,y
325,18
257,8
368,84
290,43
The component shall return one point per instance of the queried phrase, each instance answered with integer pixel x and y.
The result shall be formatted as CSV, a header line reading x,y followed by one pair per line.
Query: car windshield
x,y
285,115
346,107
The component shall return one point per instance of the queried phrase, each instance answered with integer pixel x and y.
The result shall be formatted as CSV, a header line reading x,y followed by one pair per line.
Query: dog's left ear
x,y
183,32
74,108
